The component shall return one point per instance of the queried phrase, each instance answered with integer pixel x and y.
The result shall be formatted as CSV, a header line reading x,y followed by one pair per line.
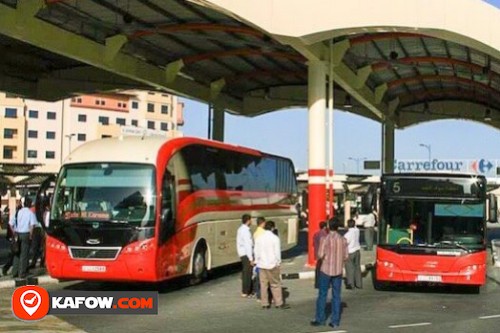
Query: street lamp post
x,y
69,136
428,147
357,160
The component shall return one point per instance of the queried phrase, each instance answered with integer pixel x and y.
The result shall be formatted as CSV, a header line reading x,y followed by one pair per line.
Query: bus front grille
x,y
94,253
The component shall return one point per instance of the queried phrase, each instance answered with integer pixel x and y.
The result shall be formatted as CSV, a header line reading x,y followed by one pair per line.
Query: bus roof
x,y
137,149
134,149
432,175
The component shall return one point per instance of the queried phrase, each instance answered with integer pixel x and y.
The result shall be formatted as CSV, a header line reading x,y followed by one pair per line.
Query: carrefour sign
x,y
479,166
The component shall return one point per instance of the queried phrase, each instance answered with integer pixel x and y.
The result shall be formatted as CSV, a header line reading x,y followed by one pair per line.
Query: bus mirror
x,y
166,215
492,208
369,200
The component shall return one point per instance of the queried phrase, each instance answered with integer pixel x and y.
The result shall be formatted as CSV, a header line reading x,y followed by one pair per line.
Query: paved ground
x,y
215,306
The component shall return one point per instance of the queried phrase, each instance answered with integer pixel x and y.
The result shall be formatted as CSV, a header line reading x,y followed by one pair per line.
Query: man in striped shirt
x,y
333,250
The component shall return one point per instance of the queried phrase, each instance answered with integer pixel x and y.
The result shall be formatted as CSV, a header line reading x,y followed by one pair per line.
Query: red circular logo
x,y
30,303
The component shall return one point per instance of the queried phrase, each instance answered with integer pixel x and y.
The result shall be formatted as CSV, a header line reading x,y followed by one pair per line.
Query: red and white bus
x,y
150,209
432,229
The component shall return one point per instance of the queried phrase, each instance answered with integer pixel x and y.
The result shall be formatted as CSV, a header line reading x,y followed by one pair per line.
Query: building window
x,y
151,93
82,118
10,113
104,120
32,154
50,154
164,126
120,121
8,133
164,95
51,115
104,136
134,123
124,105
79,100
33,134
33,114
97,102
164,109
135,105
151,124
151,107
82,137
8,152
51,135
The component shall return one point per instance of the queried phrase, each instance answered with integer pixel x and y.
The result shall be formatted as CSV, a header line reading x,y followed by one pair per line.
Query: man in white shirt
x,y
369,224
353,263
244,246
268,260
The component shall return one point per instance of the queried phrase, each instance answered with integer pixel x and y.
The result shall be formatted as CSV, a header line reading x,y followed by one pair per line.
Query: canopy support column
x,y
218,123
387,146
317,151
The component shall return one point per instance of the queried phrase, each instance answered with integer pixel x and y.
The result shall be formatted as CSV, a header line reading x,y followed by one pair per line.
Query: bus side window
x,y
167,227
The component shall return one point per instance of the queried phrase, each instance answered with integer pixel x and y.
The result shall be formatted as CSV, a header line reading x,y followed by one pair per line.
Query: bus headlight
x,y
387,264
471,269
56,245
139,247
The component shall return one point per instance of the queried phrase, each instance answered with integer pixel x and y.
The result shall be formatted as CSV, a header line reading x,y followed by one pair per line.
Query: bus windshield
x,y
107,192
424,222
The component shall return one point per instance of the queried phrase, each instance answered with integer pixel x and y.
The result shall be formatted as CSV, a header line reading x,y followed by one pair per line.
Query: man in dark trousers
x,y
244,246
322,232
22,224
353,264
9,236
333,252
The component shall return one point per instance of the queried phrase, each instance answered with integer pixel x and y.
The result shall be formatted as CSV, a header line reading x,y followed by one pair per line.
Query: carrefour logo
x,y
482,166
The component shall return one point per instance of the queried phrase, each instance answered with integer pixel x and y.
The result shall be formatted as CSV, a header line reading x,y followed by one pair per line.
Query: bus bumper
x,y
468,269
127,267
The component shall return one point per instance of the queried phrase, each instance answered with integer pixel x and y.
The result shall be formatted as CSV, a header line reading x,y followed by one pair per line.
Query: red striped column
x,y
317,150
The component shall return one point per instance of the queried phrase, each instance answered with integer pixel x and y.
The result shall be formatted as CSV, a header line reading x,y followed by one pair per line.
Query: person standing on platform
x,y
244,246
353,263
261,222
268,260
333,251
22,224
369,225
322,232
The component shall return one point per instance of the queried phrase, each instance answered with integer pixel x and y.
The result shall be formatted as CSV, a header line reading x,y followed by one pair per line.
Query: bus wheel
x,y
199,265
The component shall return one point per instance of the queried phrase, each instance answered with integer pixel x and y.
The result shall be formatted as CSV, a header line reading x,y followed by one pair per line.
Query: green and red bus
x,y
432,229
150,209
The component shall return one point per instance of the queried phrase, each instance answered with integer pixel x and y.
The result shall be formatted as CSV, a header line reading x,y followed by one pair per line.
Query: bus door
x,y
43,200
166,237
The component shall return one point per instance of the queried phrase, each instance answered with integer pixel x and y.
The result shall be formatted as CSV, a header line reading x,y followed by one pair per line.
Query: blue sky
x,y
285,133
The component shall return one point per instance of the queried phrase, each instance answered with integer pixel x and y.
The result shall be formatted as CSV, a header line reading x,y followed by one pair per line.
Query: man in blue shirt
x,y
22,224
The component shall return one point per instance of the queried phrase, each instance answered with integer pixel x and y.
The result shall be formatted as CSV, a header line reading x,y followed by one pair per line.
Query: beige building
x,y
37,132
44,132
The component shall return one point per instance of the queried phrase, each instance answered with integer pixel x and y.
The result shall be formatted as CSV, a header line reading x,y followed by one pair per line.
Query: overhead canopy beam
x,y
21,25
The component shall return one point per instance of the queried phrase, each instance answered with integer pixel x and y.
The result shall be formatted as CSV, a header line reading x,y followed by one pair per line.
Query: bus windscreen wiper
x,y
453,245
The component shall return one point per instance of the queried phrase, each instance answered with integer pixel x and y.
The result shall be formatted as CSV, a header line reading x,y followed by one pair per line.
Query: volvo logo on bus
x,y
93,241
95,225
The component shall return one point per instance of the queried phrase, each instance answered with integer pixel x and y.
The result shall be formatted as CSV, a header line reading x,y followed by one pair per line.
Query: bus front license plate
x,y
429,278
95,269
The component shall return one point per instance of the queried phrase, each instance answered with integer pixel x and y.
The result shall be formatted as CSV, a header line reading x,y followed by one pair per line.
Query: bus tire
x,y
199,268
